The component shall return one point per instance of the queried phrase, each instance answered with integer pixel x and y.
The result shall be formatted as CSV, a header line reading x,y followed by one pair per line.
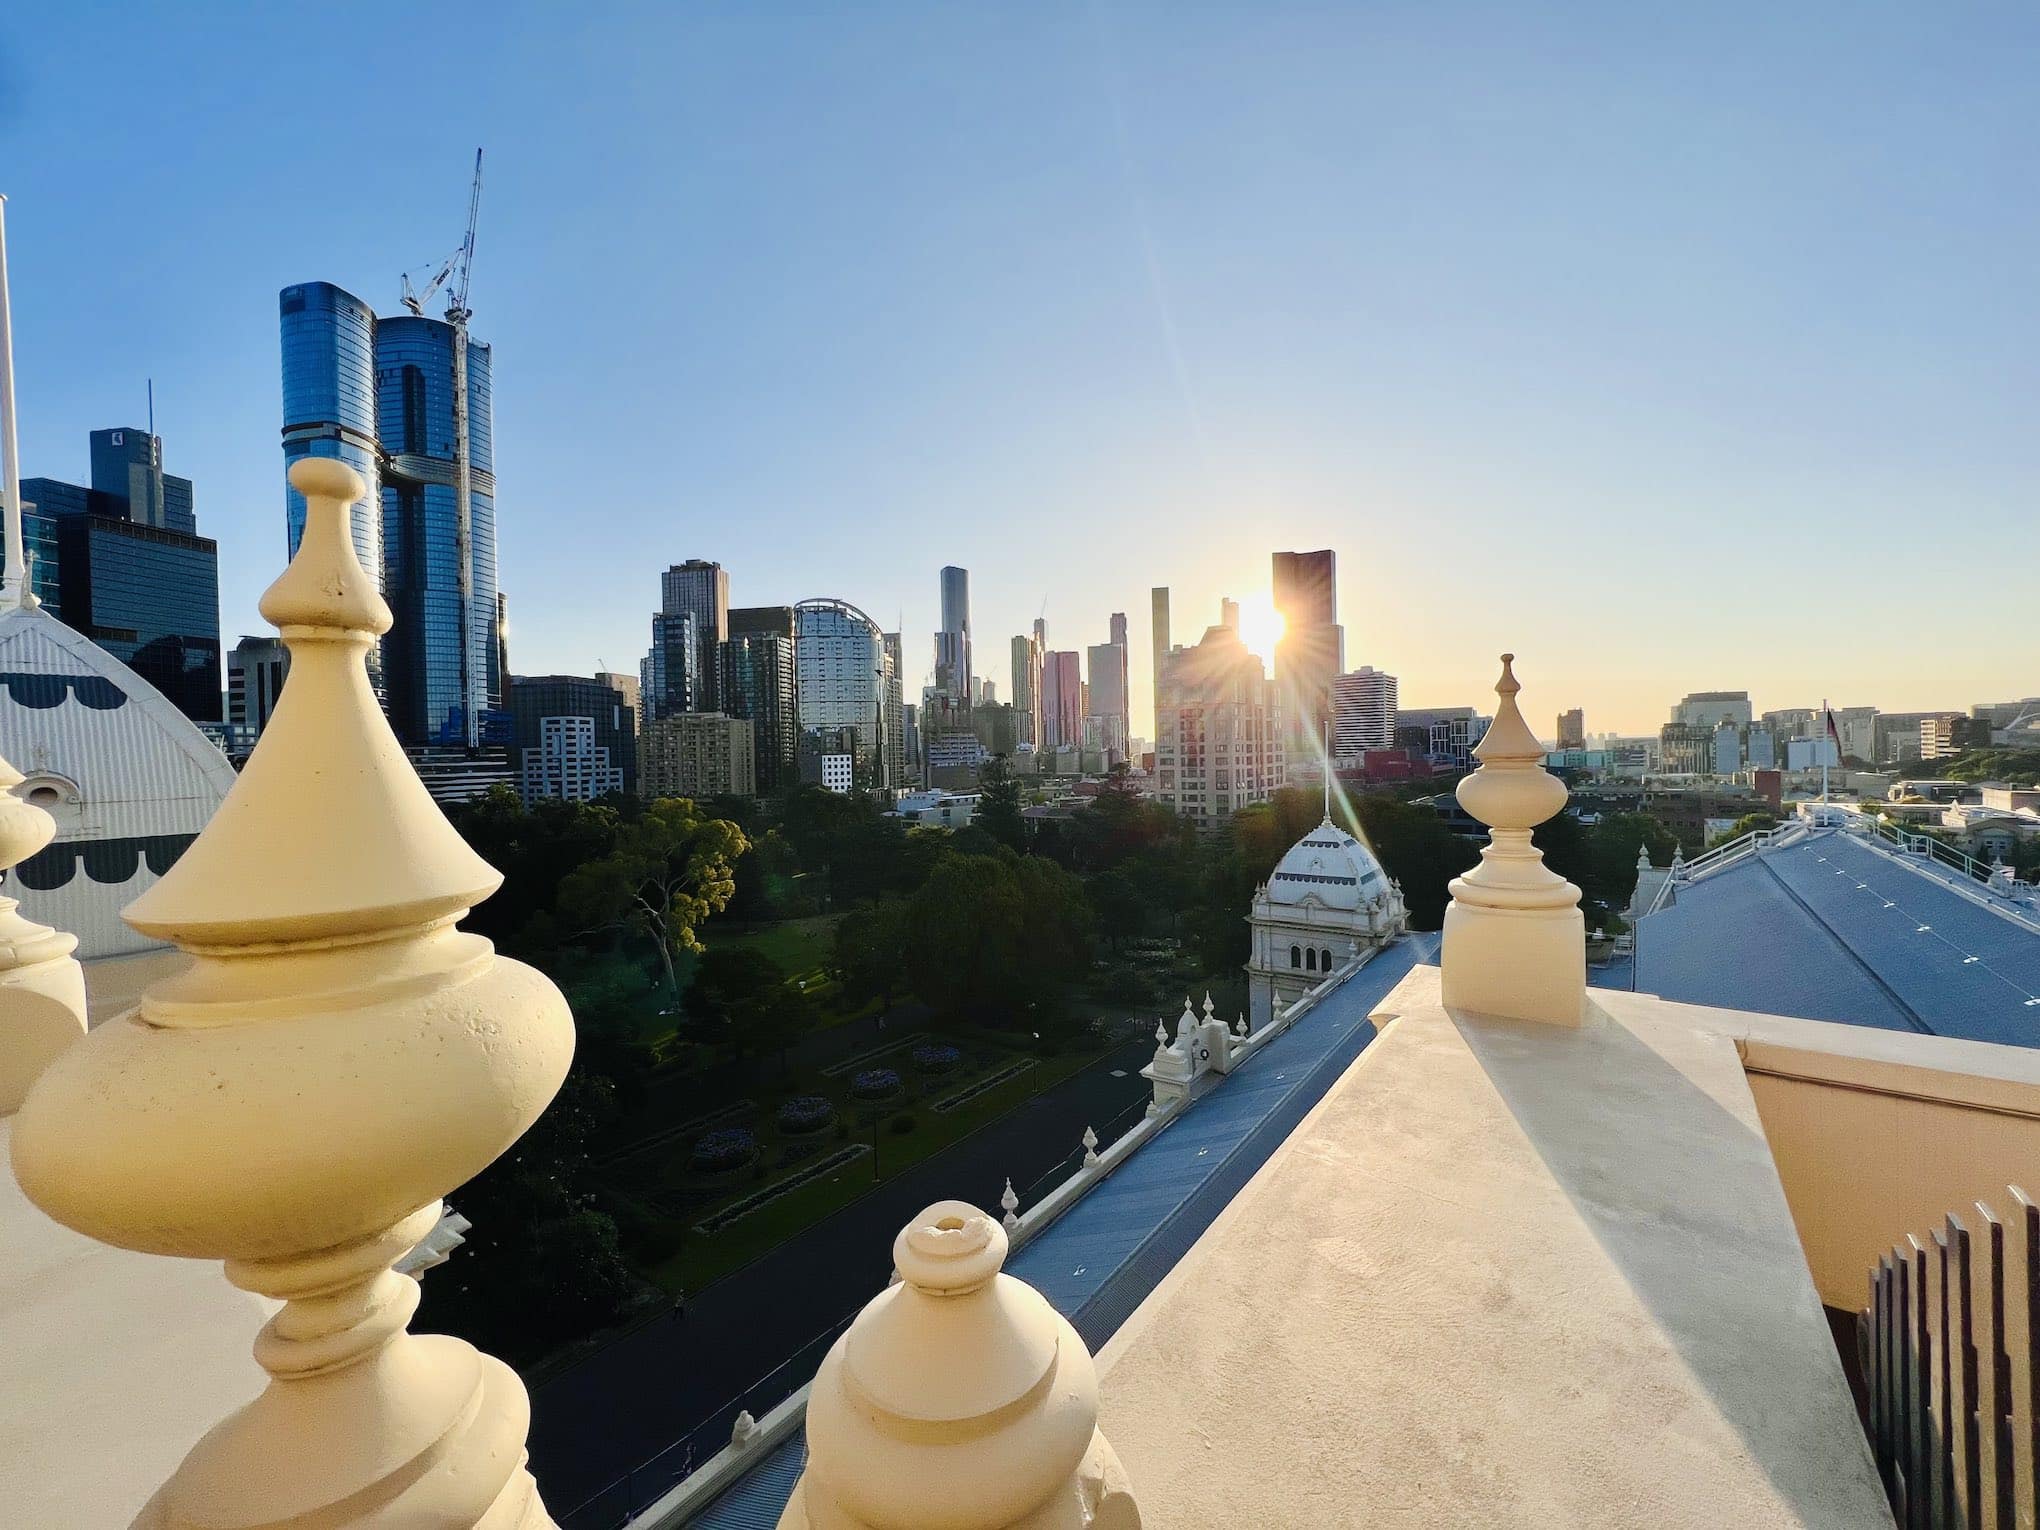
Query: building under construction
x,y
404,400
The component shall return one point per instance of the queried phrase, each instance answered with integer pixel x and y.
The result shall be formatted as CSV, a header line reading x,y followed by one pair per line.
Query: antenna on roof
x,y
14,584
1325,759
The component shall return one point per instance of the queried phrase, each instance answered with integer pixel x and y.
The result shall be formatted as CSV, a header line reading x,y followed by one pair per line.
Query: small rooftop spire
x,y
14,584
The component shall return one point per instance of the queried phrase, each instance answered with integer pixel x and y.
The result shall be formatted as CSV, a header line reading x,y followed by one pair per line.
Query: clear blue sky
x,y
1672,347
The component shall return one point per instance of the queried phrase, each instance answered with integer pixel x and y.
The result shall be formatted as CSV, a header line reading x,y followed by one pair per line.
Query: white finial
x,y
44,987
1643,856
1515,940
1010,1204
959,1397
744,1429
1090,1140
1240,1026
1161,1034
1208,1005
14,586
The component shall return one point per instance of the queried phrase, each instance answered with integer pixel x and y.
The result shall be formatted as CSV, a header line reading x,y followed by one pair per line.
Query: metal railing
x,y
1950,1347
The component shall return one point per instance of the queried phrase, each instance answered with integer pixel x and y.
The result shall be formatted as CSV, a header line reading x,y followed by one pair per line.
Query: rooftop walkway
x,y
1102,1258
1839,928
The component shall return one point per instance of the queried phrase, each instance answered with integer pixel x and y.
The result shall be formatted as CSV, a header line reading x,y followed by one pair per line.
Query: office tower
x,y
1311,651
1572,729
1027,689
439,569
1706,709
1062,700
910,734
683,668
952,643
146,591
1158,635
255,673
1760,749
757,683
1116,628
1218,746
128,465
698,755
1105,710
893,723
1858,729
847,692
1229,613
1727,749
579,763
1363,712
329,406
502,636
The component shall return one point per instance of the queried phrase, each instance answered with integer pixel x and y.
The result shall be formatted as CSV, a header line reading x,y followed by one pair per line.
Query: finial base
x,y
1524,964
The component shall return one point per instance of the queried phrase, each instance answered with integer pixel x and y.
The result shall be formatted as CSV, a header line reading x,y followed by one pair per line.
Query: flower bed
x,y
805,1113
875,1084
936,1057
721,1151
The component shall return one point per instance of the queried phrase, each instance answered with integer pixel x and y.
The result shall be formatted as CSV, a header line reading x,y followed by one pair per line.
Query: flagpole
x,y
1827,736
14,586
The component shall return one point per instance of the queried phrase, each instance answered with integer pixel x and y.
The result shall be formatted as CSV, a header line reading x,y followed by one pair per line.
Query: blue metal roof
x,y
1839,928
1097,1261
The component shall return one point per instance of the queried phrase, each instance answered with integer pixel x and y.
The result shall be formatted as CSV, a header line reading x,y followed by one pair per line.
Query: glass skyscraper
x,y
758,684
378,395
122,563
844,681
440,657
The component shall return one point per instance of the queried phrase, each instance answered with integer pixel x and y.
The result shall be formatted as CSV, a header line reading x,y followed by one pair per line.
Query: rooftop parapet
x,y
337,1057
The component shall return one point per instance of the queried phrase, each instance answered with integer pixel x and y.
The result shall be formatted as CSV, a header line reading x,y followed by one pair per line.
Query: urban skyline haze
x,y
1671,351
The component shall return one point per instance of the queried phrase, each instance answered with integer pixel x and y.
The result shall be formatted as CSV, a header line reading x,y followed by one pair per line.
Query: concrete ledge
x,y
1504,1273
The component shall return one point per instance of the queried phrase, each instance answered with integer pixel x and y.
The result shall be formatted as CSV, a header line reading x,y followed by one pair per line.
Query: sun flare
x,y
1261,626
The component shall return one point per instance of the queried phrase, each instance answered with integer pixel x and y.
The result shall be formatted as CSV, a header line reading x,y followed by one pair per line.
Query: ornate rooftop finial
x,y
337,1057
1010,1204
42,989
1515,941
958,1400
1643,856
1208,1005
1090,1140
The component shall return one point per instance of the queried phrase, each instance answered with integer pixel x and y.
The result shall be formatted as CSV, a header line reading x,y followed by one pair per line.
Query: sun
x,y
1261,626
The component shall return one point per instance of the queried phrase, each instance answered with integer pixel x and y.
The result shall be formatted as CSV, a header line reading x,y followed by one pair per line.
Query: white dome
x,y
1331,866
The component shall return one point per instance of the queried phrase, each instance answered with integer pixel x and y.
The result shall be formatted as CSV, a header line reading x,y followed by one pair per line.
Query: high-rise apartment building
x,y
1027,660
893,717
847,693
1105,725
600,758
1572,729
255,674
1363,712
1158,642
378,394
1218,747
952,643
698,755
1311,651
439,575
683,669
1444,736
757,683
1062,700
129,569
565,763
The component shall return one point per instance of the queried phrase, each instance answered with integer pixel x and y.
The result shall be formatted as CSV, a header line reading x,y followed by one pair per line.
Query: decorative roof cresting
x,y
337,1057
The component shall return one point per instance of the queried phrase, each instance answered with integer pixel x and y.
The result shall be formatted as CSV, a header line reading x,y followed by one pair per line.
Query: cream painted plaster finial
x,y
1515,941
42,988
958,1400
337,1058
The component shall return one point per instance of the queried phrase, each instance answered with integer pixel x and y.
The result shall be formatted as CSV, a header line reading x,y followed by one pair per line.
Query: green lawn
x,y
799,947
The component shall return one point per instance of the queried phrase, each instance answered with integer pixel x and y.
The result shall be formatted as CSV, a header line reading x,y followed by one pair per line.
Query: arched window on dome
x,y
1325,960
1296,956
1310,960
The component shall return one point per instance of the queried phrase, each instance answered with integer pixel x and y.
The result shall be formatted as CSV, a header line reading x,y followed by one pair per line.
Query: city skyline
x,y
1788,374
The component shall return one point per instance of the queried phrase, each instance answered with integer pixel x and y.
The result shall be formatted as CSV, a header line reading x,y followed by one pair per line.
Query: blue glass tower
x,y
378,395
440,657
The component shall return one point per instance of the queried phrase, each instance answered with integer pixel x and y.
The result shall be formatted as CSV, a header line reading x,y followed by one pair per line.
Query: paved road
x,y
624,1404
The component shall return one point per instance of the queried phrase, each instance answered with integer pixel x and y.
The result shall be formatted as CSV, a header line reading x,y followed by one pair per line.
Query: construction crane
x,y
456,269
